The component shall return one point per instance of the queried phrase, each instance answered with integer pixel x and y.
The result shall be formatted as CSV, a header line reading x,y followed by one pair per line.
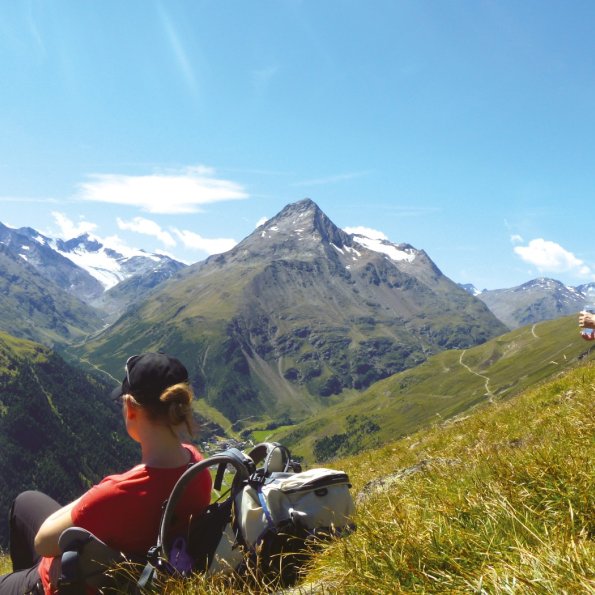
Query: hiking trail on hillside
x,y
489,393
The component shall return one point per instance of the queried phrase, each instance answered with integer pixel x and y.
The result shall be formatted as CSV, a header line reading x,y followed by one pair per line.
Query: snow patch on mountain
x,y
107,265
385,247
98,264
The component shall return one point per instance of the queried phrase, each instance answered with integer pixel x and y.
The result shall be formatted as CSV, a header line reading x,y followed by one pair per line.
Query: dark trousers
x,y
27,513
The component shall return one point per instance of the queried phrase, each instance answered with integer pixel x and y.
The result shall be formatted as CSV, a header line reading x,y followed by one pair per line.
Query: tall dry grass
x,y
504,503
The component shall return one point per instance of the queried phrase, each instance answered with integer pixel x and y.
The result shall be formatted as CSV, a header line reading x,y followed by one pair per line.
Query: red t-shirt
x,y
124,511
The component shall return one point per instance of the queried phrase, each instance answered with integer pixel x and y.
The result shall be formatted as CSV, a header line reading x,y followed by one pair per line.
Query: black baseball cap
x,y
148,375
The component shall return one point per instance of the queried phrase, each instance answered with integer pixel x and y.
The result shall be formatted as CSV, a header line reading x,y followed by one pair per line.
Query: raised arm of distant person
x,y
587,320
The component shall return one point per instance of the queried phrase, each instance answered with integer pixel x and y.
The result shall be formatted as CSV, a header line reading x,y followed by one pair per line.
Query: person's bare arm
x,y
46,540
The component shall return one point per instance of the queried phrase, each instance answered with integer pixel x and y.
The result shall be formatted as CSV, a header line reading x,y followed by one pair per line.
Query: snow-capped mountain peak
x,y
109,265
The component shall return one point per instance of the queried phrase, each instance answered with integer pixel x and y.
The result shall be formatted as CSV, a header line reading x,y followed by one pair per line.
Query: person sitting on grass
x,y
124,510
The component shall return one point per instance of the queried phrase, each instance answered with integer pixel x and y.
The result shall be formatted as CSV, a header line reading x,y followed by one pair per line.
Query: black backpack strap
x,y
242,465
158,556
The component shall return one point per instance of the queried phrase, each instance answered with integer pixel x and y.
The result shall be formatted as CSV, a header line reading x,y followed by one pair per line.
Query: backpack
x,y
267,520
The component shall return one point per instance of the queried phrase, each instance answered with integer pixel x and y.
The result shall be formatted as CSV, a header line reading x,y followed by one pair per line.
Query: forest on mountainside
x,y
59,431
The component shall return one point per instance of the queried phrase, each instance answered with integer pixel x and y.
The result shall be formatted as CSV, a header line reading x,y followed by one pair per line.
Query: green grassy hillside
x,y
500,501
445,385
35,308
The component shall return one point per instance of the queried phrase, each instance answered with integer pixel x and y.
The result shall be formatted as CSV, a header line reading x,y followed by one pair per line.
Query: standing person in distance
x,y
122,510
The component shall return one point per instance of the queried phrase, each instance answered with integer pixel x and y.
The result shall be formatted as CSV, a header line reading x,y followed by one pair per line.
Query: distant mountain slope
x,y
36,249
296,313
116,300
445,385
59,432
35,308
112,266
534,301
108,279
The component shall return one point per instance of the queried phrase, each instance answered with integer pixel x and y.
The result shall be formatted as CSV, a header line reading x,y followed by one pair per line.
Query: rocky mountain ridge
x,y
296,313
105,279
35,308
534,301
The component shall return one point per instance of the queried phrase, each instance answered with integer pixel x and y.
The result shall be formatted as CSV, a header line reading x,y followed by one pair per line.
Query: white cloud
x,y
367,232
516,239
69,229
261,221
149,228
550,257
119,245
194,241
182,192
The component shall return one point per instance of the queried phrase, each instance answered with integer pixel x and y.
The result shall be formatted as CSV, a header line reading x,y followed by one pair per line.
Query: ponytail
x,y
178,402
173,409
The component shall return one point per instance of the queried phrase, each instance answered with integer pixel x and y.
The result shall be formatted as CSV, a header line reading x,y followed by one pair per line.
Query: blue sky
x,y
464,127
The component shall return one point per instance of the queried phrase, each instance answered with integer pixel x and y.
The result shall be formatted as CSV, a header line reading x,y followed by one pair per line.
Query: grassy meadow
x,y
503,502
444,386
497,501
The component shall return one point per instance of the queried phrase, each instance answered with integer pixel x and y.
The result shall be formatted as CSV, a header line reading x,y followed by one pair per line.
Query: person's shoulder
x,y
195,454
135,472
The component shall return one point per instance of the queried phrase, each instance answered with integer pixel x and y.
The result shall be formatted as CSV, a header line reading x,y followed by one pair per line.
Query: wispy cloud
x,y
550,257
194,241
147,227
332,179
183,192
30,199
182,57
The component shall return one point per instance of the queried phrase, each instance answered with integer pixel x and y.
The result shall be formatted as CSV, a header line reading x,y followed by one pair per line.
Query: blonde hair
x,y
174,407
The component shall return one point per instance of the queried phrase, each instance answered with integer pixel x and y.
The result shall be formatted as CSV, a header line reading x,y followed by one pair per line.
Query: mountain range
x,y
532,302
296,314
57,291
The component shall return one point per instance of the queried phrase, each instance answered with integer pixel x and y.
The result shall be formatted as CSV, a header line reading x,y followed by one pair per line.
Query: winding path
x,y
84,359
489,393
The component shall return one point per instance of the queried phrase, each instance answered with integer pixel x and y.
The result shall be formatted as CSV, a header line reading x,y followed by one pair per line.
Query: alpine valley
x,y
329,341
295,315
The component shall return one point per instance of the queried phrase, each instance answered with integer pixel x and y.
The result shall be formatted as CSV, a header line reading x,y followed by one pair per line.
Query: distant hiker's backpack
x,y
268,517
